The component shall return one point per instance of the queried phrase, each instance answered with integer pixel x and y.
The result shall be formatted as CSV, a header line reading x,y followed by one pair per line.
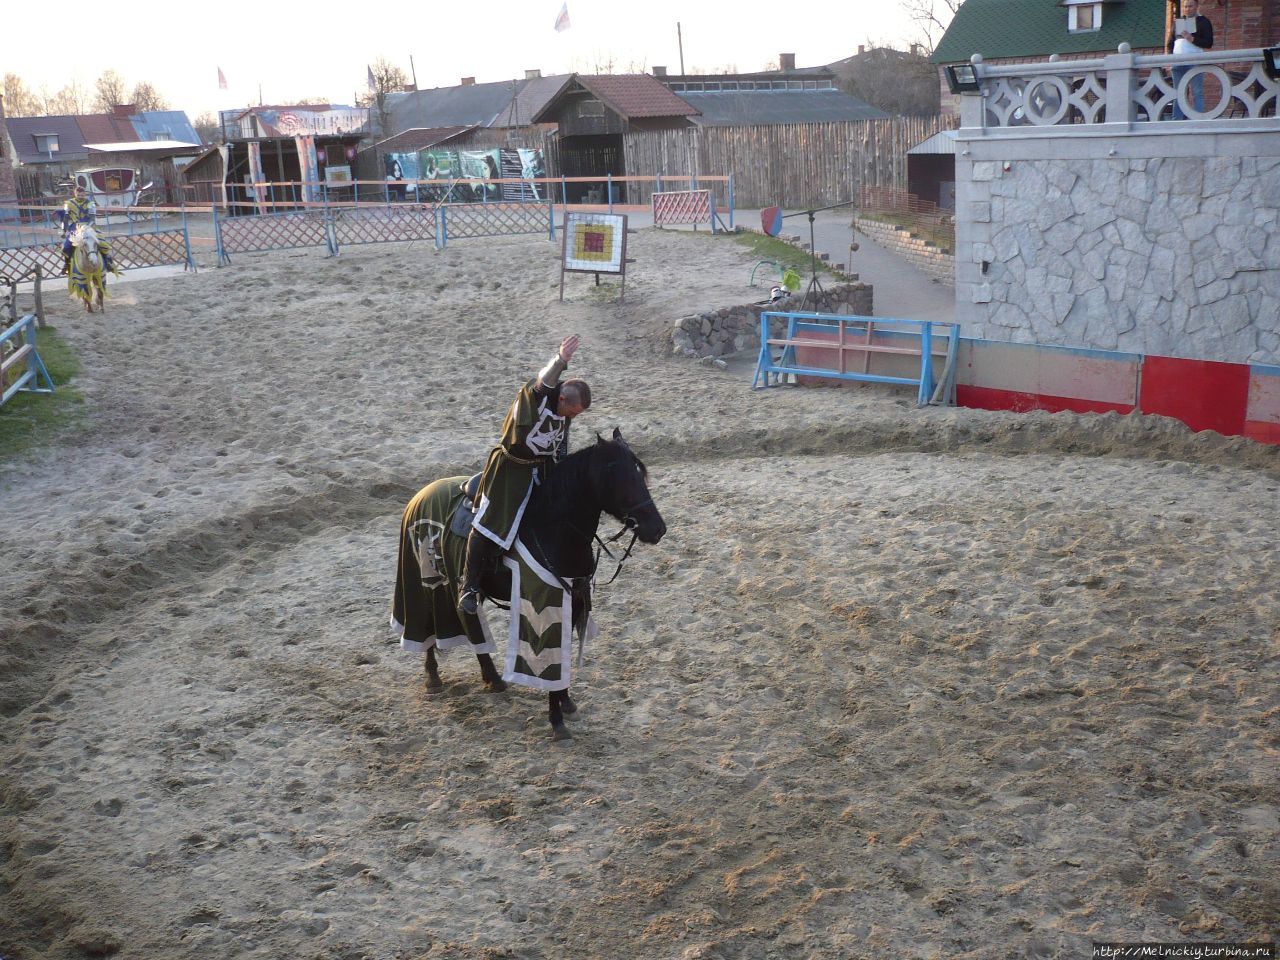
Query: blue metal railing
x,y
21,350
826,334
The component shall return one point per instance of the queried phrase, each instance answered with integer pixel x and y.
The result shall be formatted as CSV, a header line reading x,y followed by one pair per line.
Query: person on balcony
x,y
1185,43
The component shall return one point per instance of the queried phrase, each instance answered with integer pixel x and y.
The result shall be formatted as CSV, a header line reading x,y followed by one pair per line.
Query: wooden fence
x,y
788,165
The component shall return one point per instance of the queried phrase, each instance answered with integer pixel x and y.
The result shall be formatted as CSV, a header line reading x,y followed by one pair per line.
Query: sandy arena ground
x,y
897,683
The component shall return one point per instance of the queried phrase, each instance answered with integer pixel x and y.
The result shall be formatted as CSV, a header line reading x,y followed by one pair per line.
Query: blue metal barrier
x,y
861,337
22,337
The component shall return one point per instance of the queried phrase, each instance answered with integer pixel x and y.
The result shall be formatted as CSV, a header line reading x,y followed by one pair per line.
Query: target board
x,y
594,243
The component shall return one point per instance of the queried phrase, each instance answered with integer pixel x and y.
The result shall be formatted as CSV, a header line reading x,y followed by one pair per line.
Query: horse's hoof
x,y
435,686
495,686
560,733
568,707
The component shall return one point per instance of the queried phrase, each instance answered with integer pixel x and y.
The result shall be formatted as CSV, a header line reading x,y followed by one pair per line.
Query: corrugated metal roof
x,y
635,96
772,107
144,146
411,141
1000,29
476,105
168,124
942,142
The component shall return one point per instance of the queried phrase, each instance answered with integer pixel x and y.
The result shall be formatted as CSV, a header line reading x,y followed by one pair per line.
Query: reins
x,y
629,523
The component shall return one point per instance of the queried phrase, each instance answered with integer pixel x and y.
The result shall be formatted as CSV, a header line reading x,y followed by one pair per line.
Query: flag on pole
x,y
222,79
562,21
373,84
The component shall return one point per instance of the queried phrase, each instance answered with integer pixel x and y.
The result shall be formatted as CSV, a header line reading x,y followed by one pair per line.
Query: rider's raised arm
x,y
549,375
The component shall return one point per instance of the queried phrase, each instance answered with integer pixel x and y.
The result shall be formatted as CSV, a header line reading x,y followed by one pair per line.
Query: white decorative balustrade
x,y
1123,88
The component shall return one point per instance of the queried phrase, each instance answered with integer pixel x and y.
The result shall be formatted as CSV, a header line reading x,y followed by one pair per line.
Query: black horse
x,y
557,532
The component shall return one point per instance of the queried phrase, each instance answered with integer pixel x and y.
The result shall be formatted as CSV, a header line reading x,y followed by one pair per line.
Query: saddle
x,y
460,522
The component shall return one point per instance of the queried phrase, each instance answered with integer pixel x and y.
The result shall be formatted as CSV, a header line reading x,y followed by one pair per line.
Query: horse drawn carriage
x,y
116,189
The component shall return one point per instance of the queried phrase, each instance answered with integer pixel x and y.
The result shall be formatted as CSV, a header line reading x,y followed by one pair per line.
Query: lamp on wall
x,y
962,78
1271,62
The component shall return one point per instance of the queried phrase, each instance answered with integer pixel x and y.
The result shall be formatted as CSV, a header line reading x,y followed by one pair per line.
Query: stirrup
x,y
469,602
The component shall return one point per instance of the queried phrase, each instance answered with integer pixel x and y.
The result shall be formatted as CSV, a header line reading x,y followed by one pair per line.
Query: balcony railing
x,y
1124,88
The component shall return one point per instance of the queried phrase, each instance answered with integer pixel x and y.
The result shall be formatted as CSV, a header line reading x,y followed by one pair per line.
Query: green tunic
x,y
532,438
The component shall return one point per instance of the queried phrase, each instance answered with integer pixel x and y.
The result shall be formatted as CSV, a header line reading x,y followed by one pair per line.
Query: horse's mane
x,y
571,471
568,472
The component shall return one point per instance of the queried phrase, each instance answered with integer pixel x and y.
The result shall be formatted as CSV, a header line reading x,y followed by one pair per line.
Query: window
x,y
47,142
164,134
1084,17
591,108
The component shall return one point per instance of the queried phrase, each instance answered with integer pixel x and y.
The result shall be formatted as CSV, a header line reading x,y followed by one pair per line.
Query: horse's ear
x,y
617,434
599,439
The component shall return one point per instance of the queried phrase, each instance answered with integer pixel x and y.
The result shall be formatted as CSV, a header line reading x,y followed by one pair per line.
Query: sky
x,y
320,50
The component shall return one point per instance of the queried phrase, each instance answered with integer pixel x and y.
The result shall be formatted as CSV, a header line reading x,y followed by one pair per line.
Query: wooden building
x,y
593,115
309,144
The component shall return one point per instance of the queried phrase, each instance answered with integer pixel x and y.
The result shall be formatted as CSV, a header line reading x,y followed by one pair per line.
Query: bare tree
x,y
19,100
387,78
146,97
932,16
896,82
71,100
110,92
207,126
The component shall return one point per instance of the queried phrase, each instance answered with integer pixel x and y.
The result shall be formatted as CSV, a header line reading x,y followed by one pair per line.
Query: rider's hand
x,y
568,347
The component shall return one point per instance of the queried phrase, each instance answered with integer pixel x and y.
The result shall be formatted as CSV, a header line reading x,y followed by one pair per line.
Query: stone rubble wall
x,y
718,333
1173,255
922,254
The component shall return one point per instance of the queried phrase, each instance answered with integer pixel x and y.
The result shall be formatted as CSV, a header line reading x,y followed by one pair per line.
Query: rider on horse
x,y
79,209
534,435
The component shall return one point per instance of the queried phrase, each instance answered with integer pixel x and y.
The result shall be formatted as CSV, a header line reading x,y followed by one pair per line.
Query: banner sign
x,y
498,163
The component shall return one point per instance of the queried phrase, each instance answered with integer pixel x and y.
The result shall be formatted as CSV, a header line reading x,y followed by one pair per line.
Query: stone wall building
x,y
1118,231
1022,31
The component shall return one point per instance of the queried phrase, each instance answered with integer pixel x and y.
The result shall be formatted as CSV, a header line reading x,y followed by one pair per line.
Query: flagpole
x,y
680,42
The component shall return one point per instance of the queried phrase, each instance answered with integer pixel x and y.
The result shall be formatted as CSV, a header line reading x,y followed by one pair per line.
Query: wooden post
x,y
39,298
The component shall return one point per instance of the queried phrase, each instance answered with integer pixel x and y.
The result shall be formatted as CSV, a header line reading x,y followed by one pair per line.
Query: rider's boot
x,y
480,550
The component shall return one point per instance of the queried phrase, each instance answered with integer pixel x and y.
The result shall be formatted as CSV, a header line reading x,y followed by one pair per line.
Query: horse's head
x,y
625,489
85,238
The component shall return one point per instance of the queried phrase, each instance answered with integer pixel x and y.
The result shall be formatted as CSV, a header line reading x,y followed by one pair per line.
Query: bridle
x,y
629,522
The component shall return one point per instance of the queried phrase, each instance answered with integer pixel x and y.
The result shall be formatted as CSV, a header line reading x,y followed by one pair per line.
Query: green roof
x,y
999,29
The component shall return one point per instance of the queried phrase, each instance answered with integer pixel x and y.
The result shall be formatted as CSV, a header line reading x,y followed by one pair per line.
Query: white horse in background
x,y
89,263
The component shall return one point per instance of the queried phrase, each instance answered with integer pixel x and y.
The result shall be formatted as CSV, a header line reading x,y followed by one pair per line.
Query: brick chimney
x,y
659,71
532,74
468,81
786,61
862,48
124,110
